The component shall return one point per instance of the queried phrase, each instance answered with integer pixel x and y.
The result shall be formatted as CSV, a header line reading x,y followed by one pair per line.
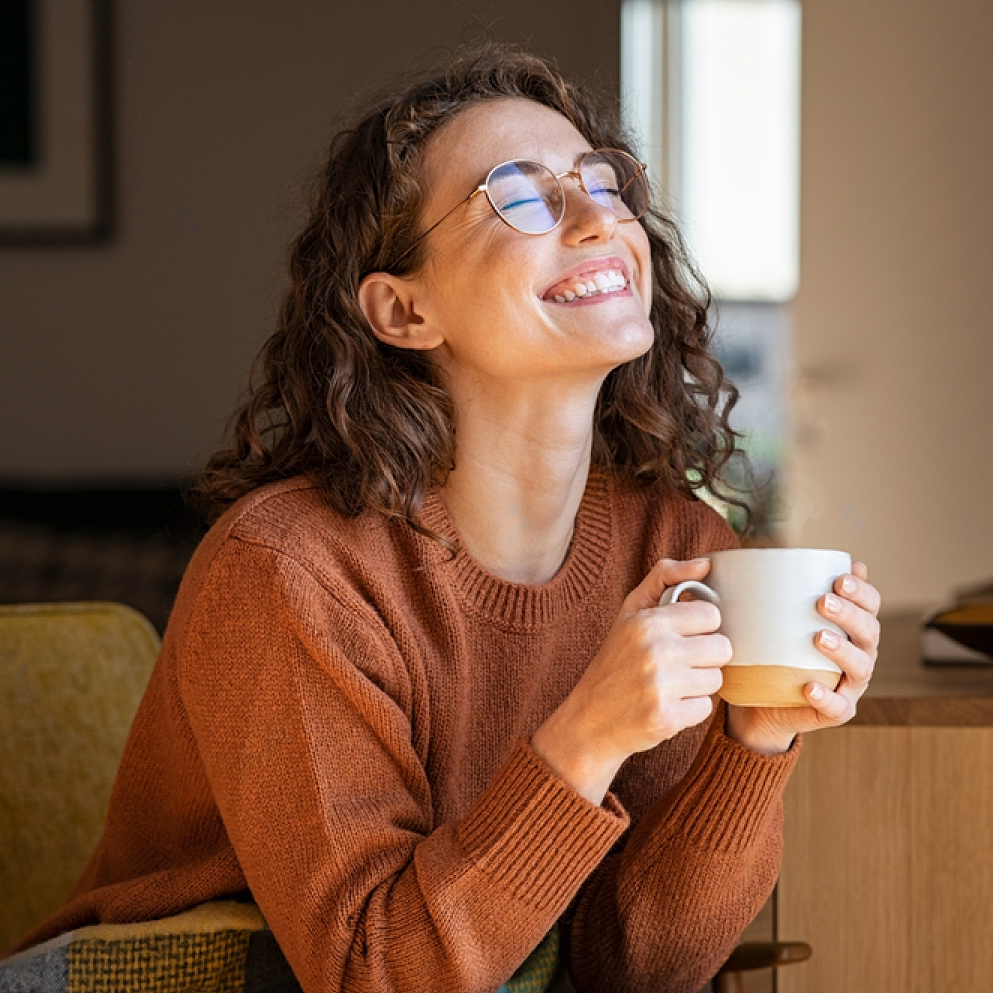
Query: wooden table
x,y
888,859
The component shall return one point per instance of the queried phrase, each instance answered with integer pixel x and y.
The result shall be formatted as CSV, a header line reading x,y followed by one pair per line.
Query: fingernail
x,y
816,691
829,639
848,584
700,560
832,604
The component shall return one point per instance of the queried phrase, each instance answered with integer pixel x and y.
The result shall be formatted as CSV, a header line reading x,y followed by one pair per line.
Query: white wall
x,y
124,360
893,455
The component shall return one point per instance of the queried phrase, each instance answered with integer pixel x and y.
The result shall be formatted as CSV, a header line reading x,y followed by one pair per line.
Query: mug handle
x,y
700,590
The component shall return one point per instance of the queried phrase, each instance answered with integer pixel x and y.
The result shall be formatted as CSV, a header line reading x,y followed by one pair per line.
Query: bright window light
x,y
643,89
711,90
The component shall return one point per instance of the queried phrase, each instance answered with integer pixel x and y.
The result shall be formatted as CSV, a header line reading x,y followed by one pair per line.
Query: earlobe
x,y
388,305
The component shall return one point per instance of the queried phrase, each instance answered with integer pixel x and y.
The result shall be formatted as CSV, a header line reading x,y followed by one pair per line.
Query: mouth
x,y
591,282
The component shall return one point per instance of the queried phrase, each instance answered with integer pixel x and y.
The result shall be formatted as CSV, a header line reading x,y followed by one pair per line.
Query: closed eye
x,y
520,203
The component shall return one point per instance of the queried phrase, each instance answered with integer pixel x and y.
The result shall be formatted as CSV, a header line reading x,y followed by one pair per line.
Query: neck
x,y
522,465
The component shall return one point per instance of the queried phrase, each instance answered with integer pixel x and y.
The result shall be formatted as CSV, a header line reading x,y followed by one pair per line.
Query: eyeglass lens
x,y
529,197
526,195
616,181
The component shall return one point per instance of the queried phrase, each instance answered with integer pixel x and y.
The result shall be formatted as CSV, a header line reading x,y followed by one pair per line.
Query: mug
x,y
768,602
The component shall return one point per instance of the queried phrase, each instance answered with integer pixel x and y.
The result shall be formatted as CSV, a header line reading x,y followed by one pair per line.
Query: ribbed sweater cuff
x,y
729,791
534,835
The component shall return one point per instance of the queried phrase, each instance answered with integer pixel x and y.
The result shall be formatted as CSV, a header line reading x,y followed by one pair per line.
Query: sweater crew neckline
x,y
522,605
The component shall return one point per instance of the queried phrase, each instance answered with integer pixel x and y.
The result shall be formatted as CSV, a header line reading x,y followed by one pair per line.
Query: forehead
x,y
461,153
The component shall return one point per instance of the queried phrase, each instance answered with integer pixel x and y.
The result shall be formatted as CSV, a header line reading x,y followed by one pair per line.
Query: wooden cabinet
x,y
888,861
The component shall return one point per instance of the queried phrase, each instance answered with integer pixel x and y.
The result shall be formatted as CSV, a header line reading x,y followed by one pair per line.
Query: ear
x,y
388,305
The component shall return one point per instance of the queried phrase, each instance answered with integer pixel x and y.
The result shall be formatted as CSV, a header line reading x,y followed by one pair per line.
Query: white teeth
x,y
606,281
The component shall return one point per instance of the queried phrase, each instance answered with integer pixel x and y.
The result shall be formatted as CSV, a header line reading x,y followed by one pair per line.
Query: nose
x,y
585,219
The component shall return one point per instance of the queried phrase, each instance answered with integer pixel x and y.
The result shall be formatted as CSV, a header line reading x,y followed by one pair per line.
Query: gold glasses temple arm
x,y
444,217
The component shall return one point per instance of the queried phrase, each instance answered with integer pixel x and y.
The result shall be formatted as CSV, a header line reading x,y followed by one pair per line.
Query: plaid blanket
x,y
223,946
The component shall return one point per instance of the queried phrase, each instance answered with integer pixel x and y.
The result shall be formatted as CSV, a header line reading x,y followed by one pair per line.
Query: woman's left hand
x,y
853,607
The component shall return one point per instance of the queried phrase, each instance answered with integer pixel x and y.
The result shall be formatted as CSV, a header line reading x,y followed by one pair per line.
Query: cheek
x,y
484,309
488,280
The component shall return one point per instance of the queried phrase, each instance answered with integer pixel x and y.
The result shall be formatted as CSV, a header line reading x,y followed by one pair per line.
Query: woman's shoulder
x,y
283,550
291,526
295,518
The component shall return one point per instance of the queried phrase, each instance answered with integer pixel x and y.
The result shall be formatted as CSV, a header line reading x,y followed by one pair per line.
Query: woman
x,y
416,694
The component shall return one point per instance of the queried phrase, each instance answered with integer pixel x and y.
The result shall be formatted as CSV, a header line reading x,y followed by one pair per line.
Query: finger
x,y
695,709
860,569
859,624
700,682
693,617
666,572
679,570
851,587
832,707
707,651
857,664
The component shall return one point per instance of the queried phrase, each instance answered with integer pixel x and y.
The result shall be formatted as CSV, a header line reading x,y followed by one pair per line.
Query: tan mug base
x,y
772,685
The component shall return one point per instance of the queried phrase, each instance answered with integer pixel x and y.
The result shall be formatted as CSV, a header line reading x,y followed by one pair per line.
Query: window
x,y
710,91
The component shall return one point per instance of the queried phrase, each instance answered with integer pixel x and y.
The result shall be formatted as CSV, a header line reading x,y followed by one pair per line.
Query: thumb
x,y
667,572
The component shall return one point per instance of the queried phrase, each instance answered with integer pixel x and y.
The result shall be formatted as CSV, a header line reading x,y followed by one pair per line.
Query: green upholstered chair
x,y
71,678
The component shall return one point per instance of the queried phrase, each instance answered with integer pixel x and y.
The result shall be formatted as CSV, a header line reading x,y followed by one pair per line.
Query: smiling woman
x,y
376,424
417,698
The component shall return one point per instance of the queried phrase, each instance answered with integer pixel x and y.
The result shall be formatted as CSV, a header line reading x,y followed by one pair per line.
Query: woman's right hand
x,y
653,676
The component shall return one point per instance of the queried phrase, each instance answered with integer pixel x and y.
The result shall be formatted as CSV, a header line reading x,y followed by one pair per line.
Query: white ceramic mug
x,y
768,602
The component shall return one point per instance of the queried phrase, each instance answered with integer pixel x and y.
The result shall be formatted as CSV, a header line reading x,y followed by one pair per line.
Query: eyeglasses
x,y
529,196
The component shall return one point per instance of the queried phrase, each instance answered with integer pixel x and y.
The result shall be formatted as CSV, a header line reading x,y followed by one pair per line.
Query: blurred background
x,y
138,284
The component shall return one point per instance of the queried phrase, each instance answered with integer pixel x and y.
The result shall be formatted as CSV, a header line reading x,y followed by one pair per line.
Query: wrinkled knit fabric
x,y
339,723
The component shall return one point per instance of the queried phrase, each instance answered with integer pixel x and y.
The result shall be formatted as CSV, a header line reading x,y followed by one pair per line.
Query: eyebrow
x,y
524,158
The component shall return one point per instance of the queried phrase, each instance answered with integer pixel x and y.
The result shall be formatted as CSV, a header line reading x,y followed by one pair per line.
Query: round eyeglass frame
x,y
573,173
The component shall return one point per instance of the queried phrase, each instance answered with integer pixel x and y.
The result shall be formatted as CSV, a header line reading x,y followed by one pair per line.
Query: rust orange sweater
x,y
339,722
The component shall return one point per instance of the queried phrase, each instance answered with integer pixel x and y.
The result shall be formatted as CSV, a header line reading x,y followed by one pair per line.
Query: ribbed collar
x,y
520,605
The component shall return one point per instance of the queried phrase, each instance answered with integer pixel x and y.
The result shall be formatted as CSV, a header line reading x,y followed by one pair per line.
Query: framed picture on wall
x,y
54,121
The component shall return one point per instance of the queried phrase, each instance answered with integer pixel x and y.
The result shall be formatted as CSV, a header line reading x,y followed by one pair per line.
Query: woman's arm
x,y
653,677
301,709
664,913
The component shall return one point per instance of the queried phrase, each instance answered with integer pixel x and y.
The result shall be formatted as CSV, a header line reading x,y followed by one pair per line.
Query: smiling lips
x,y
593,284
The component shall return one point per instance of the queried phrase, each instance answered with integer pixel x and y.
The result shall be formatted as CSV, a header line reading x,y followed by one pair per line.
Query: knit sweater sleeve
x,y
304,718
663,912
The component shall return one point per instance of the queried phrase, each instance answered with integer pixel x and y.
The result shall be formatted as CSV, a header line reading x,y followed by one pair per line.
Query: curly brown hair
x,y
373,424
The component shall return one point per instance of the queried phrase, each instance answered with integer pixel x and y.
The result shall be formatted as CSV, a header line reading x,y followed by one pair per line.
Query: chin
x,y
633,340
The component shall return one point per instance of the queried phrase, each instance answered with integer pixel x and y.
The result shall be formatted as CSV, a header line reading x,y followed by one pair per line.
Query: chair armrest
x,y
752,955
